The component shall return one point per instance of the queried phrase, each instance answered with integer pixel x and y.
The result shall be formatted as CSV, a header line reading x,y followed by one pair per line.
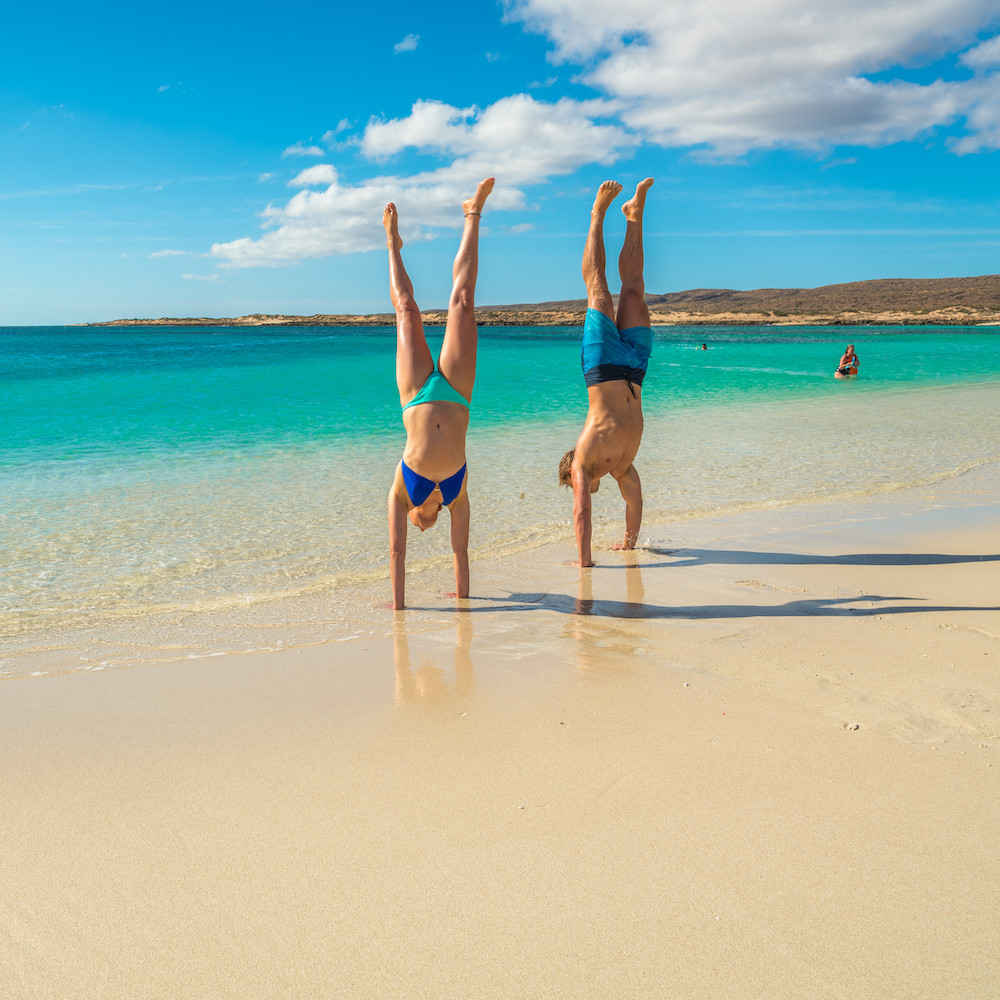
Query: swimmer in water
x,y
848,364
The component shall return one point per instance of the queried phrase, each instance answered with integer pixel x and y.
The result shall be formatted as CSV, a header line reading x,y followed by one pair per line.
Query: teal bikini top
x,y
437,389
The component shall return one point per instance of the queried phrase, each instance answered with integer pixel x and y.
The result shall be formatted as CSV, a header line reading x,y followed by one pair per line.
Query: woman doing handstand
x,y
435,401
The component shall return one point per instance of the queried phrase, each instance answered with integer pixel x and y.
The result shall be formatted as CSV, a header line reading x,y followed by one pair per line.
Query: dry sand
x,y
759,762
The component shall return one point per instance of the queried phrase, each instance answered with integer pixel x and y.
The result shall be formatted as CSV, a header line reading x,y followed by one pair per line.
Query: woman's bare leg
x,y
598,296
458,352
414,363
632,310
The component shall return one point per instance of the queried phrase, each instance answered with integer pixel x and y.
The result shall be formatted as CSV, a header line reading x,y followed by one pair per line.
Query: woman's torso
x,y
435,438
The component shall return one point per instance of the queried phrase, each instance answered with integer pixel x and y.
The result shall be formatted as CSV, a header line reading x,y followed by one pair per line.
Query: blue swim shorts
x,y
610,354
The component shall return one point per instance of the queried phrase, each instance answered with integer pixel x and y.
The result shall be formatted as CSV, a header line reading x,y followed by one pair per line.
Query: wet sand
x,y
758,759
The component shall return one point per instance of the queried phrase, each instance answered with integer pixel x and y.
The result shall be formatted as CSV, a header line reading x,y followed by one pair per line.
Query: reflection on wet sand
x,y
598,634
429,683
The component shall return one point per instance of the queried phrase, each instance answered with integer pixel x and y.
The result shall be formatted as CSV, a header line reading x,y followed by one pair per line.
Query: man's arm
x,y
581,513
397,550
631,490
460,517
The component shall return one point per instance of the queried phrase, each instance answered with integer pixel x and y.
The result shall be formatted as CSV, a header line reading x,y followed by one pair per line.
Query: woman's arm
x,y
397,549
460,518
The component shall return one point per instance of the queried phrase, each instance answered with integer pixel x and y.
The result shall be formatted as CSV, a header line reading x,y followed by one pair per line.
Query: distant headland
x,y
884,302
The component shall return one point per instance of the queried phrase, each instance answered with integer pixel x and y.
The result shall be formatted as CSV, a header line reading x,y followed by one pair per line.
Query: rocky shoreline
x,y
959,316
971,301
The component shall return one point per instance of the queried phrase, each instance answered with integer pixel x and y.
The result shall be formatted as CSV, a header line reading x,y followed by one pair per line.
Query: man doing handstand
x,y
616,349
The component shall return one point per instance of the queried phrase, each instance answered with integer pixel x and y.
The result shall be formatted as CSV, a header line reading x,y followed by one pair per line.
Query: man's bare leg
x,y
458,352
598,295
413,357
632,310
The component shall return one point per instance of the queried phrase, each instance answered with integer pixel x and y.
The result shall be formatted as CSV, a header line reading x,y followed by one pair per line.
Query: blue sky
x,y
221,159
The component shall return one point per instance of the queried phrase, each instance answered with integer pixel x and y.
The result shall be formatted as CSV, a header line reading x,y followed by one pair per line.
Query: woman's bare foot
x,y
391,222
632,209
606,194
474,205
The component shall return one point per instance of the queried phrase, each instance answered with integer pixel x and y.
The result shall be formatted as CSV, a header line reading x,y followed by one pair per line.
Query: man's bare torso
x,y
611,436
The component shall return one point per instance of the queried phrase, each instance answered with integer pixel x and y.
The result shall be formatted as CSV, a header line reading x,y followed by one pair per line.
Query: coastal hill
x,y
892,301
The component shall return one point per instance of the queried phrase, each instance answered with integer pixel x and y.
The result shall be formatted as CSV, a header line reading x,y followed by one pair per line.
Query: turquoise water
x,y
69,393
152,469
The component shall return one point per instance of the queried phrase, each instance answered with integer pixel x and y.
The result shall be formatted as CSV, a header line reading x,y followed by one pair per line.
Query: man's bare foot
x,y
632,209
606,194
391,222
474,205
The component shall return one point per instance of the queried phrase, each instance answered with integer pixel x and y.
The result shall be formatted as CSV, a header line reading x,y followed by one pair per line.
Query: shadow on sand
x,y
736,557
817,606
635,606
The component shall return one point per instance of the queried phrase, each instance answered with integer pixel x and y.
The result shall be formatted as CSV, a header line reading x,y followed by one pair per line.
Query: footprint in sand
x,y
770,586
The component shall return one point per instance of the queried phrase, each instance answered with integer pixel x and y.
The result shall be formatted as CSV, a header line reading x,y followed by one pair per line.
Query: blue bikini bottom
x,y
420,488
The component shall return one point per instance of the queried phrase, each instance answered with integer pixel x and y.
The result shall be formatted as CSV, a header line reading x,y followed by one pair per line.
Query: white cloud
x,y
408,44
300,149
200,277
519,140
983,115
734,75
982,119
984,56
330,136
844,161
167,253
315,176
430,125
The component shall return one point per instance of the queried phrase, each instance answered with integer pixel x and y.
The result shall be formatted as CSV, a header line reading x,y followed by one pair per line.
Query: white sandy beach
x,y
757,760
